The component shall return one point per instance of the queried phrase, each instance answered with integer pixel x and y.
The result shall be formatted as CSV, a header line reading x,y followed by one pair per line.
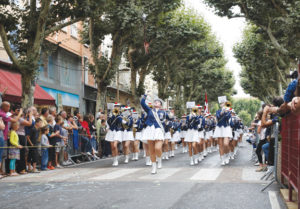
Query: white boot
x,y
200,157
126,159
167,156
148,161
163,155
227,159
183,149
115,163
231,156
137,156
170,154
235,151
223,160
191,161
196,160
133,157
176,146
205,153
159,164
154,169
144,154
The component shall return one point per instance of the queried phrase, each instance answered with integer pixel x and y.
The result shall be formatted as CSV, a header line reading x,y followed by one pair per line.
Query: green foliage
x,y
250,105
246,117
263,74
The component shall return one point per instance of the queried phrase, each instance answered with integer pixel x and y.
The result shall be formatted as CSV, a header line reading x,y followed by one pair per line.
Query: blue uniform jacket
x,y
139,125
115,123
223,118
150,120
129,123
192,122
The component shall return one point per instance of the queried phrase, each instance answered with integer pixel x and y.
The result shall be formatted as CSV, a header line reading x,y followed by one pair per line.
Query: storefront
x,y
12,81
64,100
90,97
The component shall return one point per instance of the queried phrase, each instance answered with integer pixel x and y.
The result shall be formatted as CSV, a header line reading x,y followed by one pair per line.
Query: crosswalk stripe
x,y
274,200
207,174
116,174
161,174
249,174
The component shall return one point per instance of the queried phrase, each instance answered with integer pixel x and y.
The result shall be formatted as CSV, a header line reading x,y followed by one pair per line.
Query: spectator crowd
x,y
32,141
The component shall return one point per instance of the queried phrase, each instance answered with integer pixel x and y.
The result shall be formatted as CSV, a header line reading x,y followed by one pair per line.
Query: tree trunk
x,y
28,87
101,97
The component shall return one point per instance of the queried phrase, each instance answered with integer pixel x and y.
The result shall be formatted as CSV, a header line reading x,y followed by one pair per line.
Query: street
x,y
177,185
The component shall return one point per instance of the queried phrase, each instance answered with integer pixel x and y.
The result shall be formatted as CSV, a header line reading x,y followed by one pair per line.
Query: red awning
x,y
14,92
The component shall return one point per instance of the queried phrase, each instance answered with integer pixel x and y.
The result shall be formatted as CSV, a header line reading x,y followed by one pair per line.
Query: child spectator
x,y
2,127
33,143
14,153
45,144
58,138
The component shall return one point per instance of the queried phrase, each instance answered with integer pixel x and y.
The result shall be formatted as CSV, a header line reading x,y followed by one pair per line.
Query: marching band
x,y
160,132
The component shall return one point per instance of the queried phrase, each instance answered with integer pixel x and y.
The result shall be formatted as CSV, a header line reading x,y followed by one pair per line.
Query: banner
x,y
190,104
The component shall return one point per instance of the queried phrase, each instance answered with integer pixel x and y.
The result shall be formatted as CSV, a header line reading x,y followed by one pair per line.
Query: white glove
x,y
124,122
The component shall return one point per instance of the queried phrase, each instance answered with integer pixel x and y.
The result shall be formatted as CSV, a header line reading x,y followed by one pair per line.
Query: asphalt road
x,y
176,186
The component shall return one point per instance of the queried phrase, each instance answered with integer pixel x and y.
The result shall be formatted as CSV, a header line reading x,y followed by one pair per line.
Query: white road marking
x,y
116,174
274,200
161,173
207,174
249,174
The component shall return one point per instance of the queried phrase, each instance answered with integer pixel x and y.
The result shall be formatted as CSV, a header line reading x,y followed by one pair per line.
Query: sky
x,y
228,32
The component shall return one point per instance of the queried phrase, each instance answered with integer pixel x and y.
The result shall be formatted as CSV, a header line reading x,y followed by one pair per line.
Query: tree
x,y
263,68
23,39
278,19
251,105
246,117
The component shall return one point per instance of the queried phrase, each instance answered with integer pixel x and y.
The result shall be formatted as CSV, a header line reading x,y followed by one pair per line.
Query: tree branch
x,y
8,48
278,8
60,26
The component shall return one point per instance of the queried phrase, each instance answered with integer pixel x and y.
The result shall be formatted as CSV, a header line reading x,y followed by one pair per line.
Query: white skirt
x,y
222,132
240,131
114,136
176,137
208,134
138,135
201,134
128,136
151,133
168,135
182,134
192,136
236,135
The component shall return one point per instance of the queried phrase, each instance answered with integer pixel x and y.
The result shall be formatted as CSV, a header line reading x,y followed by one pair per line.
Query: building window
x,y
74,30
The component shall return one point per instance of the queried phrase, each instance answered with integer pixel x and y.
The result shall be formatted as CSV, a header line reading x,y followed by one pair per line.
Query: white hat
x,y
160,100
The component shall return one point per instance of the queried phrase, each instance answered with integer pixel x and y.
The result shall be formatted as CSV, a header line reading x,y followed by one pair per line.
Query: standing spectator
x,y
2,94
58,138
2,127
24,121
14,153
52,141
93,130
5,107
104,144
262,140
33,143
66,130
52,111
45,144
44,115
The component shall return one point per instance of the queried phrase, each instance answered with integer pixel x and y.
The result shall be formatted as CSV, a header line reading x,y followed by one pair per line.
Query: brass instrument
x,y
124,125
228,104
195,110
116,111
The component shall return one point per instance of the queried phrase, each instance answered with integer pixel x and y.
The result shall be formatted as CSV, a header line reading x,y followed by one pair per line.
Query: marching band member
x,y
144,138
223,131
208,132
176,136
241,130
167,126
127,124
154,131
201,144
115,134
192,137
234,123
214,139
183,131
138,127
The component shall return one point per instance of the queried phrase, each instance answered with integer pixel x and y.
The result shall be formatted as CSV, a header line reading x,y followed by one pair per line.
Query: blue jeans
x,y
94,143
86,144
44,159
1,149
265,148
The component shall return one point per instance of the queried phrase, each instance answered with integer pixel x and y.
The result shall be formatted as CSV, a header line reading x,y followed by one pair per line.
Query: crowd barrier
x,y
290,154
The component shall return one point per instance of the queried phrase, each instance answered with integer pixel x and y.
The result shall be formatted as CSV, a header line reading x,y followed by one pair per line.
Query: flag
x,y
206,109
